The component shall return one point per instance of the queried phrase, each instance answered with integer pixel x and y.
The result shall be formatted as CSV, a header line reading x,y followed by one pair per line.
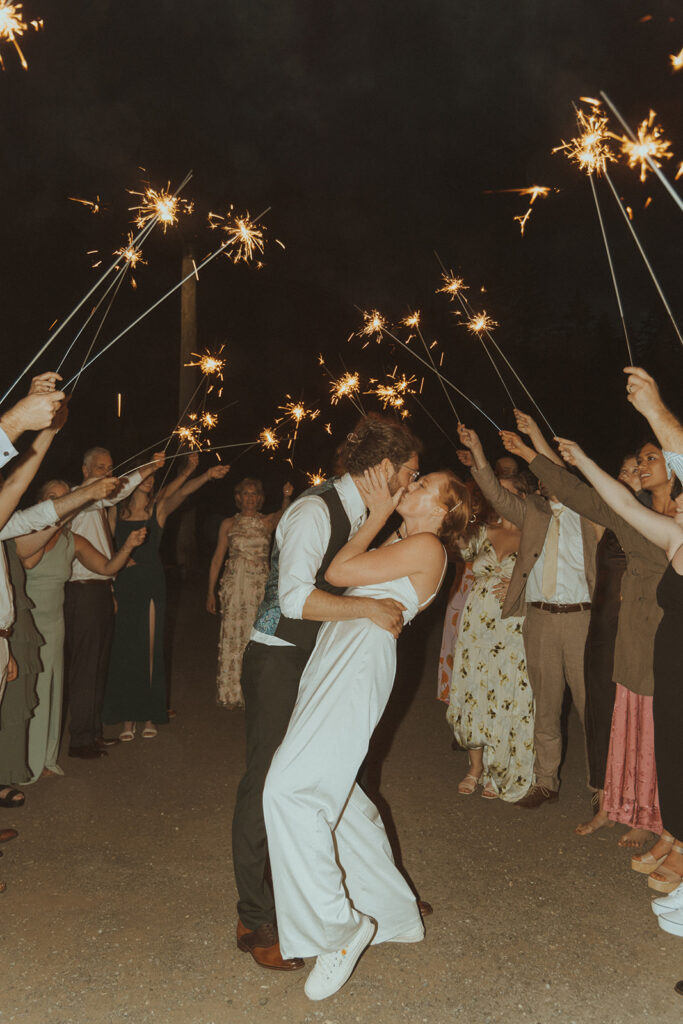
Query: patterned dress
x,y
451,627
491,702
240,591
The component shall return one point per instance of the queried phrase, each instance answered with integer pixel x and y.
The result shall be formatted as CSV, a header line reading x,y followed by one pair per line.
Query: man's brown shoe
x,y
536,796
264,946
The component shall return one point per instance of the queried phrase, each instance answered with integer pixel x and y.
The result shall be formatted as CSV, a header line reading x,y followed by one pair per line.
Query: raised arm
x,y
574,493
95,561
527,425
219,554
661,530
168,505
509,506
190,464
27,465
643,394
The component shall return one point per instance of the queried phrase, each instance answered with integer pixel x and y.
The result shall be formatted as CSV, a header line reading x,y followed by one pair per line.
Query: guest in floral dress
x,y
491,705
247,536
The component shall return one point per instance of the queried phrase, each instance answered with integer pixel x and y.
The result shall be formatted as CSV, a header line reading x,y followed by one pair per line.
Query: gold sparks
x,y
393,392
679,172
479,322
412,320
676,60
210,365
95,204
209,420
533,191
162,205
373,325
243,237
452,285
591,149
12,25
649,144
522,218
191,436
130,253
346,387
268,439
315,479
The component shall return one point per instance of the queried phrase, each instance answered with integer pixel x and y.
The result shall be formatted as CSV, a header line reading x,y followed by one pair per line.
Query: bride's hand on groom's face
x,y
374,490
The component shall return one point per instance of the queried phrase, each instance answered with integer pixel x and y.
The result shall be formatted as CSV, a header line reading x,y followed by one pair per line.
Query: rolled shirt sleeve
x,y
7,449
303,535
28,520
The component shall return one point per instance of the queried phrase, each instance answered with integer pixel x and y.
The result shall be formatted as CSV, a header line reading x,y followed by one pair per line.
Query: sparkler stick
x,y
476,326
611,268
90,316
139,238
645,259
131,458
119,282
202,451
416,325
653,166
434,421
205,262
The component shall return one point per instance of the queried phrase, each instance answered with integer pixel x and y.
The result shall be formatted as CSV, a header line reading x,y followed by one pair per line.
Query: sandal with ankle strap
x,y
467,786
664,879
645,863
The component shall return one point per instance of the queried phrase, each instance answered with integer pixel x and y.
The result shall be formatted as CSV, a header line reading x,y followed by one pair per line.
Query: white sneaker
x,y
672,923
332,970
415,934
667,904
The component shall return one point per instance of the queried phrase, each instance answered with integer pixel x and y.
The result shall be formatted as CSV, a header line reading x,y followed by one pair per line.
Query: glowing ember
x,y
679,172
191,436
452,284
314,479
269,440
413,320
208,364
209,420
346,387
522,219
479,322
373,325
130,254
95,205
394,391
650,144
676,60
590,150
12,25
162,205
243,237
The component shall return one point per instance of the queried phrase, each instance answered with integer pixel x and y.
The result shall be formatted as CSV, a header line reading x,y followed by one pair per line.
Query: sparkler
x,y
533,191
413,320
131,253
676,60
191,436
209,420
12,25
315,479
452,285
347,386
479,322
653,166
268,439
649,148
94,205
611,268
393,393
244,238
209,365
591,150
160,205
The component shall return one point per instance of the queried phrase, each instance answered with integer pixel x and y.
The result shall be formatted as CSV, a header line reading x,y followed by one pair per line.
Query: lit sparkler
x,y
130,253
373,325
315,479
590,150
522,218
649,144
243,237
12,25
95,205
412,320
676,60
268,439
209,420
533,191
452,285
479,322
210,365
346,387
191,436
160,204
393,393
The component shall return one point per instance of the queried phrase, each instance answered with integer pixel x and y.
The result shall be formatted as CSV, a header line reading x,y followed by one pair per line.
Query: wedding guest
x,y
643,393
247,537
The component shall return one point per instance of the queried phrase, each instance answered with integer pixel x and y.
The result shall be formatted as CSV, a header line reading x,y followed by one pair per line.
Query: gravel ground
x,y
121,902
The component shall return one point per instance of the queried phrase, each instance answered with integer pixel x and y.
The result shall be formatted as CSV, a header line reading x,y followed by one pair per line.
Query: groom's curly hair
x,y
375,438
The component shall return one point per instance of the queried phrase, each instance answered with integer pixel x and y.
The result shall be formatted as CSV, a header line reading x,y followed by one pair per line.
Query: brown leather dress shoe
x,y
536,796
264,947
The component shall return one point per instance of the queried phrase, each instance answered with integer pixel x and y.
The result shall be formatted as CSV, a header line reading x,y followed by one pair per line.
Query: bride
x,y
336,886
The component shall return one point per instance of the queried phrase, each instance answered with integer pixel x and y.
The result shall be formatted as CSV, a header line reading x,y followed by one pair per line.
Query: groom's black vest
x,y
269,619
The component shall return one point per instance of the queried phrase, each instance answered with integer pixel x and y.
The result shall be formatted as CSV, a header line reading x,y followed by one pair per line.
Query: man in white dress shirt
x,y
297,599
89,612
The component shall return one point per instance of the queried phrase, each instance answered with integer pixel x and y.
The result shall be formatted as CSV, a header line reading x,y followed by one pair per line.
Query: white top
x,y
21,522
302,536
571,587
674,463
7,449
91,524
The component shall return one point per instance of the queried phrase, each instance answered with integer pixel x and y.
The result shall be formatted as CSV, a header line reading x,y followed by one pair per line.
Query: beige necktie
x,y
551,549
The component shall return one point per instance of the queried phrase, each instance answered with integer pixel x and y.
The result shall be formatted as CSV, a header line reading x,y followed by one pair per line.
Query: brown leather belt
x,y
559,609
5,634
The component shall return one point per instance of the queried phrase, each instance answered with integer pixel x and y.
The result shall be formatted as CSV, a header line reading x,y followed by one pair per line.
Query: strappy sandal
x,y
127,735
645,863
149,732
664,879
467,786
8,795
488,792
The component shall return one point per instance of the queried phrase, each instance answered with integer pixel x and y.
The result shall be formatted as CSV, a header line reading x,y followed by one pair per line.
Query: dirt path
x,y
120,901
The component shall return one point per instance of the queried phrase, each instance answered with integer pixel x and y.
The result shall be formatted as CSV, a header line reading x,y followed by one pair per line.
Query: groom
x,y
297,599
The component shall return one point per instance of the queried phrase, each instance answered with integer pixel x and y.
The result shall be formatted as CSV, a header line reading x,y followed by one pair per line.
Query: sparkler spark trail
x,y
373,325
208,364
12,25
412,320
676,60
94,204
591,150
243,237
315,479
209,420
130,253
392,394
479,322
346,387
452,285
191,436
161,205
268,439
649,148
522,218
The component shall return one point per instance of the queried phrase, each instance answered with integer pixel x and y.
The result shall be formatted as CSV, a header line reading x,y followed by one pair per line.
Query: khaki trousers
x,y
555,644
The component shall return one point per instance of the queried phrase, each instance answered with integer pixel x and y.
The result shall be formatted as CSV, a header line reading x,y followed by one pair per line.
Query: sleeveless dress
x,y
325,837
667,707
241,592
45,587
462,584
491,700
131,694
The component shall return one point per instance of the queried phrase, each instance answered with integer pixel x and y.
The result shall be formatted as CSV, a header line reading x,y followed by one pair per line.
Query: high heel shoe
x,y
645,863
663,879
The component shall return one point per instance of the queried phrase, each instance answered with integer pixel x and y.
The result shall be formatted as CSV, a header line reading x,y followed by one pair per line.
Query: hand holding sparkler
x,y
528,425
469,438
35,412
643,394
571,452
217,472
100,488
43,383
513,443
135,539
465,457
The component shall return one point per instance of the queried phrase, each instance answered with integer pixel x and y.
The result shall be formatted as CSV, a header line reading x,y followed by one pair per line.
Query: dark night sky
x,y
373,130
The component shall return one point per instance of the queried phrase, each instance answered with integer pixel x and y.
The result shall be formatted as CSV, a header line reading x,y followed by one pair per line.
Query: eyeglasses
x,y
414,473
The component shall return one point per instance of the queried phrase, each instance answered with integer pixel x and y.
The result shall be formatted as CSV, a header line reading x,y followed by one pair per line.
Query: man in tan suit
x,y
552,585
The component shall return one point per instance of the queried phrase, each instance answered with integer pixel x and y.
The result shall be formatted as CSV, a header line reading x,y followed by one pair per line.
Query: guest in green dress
x,y
136,684
46,573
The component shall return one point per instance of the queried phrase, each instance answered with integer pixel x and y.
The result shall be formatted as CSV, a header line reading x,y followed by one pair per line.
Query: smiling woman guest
x,y
247,536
